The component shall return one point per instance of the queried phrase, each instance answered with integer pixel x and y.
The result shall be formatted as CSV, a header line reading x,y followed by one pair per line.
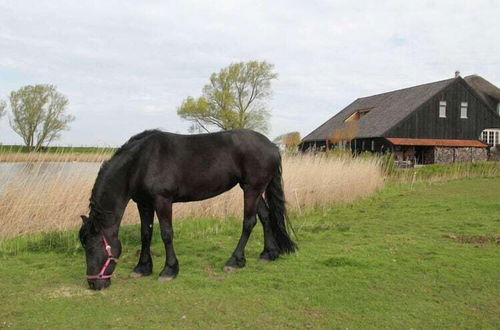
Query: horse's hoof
x,y
229,269
269,255
135,275
165,278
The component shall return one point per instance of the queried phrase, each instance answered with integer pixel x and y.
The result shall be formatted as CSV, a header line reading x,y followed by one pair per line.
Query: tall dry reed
x,y
40,199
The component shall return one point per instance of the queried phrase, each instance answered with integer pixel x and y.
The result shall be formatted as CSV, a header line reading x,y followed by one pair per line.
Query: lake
x,y
44,170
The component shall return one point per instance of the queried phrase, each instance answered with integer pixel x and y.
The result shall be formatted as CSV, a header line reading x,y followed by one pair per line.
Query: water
x,y
30,172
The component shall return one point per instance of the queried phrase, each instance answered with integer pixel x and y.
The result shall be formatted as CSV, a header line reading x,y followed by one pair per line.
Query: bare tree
x,y
38,114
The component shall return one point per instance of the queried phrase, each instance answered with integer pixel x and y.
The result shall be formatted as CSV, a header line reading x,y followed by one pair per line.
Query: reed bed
x,y
45,197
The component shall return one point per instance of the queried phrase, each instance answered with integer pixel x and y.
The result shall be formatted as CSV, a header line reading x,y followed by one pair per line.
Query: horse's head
x,y
101,253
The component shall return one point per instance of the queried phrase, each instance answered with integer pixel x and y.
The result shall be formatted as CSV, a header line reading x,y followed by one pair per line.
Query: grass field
x,y
57,149
13,153
420,257
438,172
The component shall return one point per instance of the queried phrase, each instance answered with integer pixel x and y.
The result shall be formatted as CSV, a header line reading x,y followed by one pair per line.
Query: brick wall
x,y
447,155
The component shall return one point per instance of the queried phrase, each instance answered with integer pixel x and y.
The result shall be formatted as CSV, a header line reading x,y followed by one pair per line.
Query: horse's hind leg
x,y
164,212
237,259
271,250
145,265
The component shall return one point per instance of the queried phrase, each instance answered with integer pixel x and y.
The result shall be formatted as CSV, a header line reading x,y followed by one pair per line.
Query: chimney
x,y
457,74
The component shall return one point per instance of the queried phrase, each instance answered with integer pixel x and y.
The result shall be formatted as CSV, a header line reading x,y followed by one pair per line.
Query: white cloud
x,y
127,66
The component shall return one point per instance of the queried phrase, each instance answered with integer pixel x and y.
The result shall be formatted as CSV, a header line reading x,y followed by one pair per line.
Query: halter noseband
x,y
101,275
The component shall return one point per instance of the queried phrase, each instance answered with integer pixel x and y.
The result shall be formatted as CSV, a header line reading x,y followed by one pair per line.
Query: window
x,y
442,109
373,145
358,114
463,110
484,136
498,108
491,136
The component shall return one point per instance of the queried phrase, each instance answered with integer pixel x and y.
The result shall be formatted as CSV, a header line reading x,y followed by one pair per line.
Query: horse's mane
x,y
96,212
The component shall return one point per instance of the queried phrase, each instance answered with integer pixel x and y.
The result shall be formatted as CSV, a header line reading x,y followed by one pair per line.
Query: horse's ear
x,y
84,218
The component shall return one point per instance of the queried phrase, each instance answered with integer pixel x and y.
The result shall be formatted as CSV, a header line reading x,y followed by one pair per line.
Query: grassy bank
x,y
13,153
57,149
439,172
421,257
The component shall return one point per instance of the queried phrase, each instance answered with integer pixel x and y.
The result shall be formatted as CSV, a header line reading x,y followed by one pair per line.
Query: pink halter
x,y
101,275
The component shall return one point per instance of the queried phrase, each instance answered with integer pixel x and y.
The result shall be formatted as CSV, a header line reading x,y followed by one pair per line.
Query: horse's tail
x,y
275,199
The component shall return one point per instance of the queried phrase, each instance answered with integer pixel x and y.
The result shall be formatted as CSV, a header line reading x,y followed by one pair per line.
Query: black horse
x,y
156,169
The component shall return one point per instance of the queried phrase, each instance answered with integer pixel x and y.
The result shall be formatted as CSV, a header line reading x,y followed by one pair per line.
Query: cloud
x,y
126,67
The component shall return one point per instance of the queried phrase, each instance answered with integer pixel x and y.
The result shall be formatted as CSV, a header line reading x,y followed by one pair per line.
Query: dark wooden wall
x,y
365,144
425,122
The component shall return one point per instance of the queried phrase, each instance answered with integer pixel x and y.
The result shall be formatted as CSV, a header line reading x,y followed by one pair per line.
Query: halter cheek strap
x,y
101,275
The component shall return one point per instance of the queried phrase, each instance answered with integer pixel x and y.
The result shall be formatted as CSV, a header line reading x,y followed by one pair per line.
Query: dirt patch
x,y
68,292
474,239
311,312
212,274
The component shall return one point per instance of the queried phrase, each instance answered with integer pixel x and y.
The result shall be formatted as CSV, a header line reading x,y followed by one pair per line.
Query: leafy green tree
x,y
38,114
234,98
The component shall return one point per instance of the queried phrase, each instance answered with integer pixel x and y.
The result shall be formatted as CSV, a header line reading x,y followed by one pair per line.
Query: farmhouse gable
x,y
451,109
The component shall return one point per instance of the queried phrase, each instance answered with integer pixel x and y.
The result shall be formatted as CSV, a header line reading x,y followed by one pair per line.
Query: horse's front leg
x,y
237,259
145,265
163,208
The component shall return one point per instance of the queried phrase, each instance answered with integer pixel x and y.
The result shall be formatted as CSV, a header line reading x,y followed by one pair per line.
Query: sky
x,y
126,66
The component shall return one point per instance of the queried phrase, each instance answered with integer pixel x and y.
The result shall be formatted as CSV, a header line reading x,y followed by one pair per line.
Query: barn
x,y
438,122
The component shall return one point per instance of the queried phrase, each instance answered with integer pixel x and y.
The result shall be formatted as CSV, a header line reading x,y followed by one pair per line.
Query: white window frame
x,y
463,110
442,109
484,136
491,136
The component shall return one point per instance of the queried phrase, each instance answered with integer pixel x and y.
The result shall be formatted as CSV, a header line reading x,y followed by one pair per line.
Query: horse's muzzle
x,y
99,284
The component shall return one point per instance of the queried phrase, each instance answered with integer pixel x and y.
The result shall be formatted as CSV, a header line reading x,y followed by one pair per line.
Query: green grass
x,y
385,262
446,171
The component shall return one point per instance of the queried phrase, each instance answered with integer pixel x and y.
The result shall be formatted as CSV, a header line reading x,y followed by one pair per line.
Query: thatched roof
x,y
486,90
385,111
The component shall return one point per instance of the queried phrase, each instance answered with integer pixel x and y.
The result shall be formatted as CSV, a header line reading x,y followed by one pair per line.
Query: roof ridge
x,y
406,88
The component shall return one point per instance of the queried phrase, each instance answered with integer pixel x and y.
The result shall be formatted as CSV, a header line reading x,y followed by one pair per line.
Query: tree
x,y
2,108
234,98
344,134
289,141
38,114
